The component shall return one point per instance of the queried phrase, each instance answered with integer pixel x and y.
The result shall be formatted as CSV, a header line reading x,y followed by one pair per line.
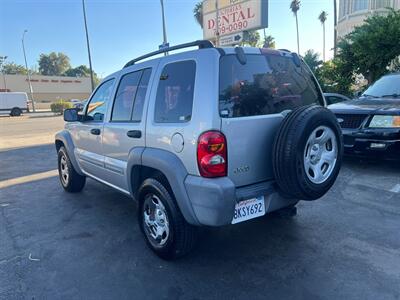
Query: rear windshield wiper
x,y
391,95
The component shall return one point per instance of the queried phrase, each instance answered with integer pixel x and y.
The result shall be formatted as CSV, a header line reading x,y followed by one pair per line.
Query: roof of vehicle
x,y
202,45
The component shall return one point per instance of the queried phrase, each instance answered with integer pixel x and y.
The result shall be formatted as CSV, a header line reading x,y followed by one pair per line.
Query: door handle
x,y
95,131
136,134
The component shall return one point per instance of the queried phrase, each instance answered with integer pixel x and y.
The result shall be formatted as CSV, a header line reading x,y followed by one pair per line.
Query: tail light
x,y
212,154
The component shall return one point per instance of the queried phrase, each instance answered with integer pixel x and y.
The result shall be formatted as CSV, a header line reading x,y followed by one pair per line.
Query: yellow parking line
x,y
28,178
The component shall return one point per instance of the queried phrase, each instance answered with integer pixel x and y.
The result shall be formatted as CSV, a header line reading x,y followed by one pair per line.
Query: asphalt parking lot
x,y
55,245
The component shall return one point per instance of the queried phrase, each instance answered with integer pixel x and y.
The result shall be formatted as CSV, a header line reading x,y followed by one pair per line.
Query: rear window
x,y
266,84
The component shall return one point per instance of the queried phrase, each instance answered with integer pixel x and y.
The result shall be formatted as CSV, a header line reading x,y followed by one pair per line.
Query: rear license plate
x,y
249,209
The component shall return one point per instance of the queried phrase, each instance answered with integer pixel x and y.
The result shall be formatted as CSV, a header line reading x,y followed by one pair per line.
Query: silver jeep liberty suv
x,y
211,136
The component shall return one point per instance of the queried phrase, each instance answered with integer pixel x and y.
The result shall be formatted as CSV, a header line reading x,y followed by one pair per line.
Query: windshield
x,y
387,86
266,84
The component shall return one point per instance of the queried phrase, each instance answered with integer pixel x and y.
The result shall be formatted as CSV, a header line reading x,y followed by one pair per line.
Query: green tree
x,y
80,71
322,18
371,47
251,38
53,64
295,7
198,13
13,68
269,41
312,60
337,75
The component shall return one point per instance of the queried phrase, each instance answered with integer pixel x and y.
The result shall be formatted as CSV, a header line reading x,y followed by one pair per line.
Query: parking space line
x,y
29,178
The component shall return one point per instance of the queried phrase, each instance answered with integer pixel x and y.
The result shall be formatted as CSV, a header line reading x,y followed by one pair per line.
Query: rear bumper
x,y
380,143
213,200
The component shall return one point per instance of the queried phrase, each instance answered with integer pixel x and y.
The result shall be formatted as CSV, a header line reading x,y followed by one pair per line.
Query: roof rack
x,y
200,43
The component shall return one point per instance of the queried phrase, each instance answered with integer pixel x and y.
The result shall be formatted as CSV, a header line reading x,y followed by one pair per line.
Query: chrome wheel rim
x,y
64,171
320,154
155,220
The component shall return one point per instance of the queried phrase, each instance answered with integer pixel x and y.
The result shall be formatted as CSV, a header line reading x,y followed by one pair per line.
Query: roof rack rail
x,y
200,43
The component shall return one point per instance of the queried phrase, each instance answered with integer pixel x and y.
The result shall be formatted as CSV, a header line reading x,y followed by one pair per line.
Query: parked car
x,y
371,124
80,105
332,98
13,103
205,137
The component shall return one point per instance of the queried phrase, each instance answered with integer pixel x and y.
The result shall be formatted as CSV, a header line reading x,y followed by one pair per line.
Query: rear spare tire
x,y
307,153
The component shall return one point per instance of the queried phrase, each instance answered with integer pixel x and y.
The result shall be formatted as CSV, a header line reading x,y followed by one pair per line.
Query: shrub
x,y
59,106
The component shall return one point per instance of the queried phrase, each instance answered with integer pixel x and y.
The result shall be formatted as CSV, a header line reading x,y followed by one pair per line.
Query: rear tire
x,y
70,180
15,112
165,229
307,153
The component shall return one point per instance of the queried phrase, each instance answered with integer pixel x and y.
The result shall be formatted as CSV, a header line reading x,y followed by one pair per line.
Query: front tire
x,y
70,180
166,231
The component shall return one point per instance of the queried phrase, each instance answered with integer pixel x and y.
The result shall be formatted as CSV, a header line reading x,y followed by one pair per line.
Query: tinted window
x,y
98,103
125,96
333,99
175,93
266,84
140,96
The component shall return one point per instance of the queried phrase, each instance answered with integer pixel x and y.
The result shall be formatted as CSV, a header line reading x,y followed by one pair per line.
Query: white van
x,y
13,103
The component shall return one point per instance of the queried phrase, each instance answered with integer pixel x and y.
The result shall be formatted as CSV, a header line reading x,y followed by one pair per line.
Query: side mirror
x,y
71,115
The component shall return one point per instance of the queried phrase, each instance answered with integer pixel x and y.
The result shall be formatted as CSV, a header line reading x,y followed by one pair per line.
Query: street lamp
x,y
27,71
87,43
2,60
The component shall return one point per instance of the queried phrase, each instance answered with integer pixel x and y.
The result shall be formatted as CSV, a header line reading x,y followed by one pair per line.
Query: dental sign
x,y
234,16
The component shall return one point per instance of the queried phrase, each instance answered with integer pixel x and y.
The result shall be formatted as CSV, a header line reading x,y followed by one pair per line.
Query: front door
x,y
125,129
87,134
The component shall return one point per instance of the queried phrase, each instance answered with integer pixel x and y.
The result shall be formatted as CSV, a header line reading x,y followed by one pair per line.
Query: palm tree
x,y
334,27
295,6
269,41
198,13
322,17
312,60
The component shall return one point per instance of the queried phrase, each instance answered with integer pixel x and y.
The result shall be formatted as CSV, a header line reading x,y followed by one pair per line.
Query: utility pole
x,y
216,22
88,45
335,30
28,72
164,27
2,60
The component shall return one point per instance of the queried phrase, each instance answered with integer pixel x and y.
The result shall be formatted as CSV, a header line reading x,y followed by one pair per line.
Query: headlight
x,y
385,122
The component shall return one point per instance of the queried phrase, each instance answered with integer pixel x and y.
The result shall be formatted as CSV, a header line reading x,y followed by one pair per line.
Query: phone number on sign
x,y
241,25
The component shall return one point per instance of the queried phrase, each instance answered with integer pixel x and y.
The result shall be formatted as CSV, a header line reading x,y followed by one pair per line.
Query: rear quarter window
x,y
266,84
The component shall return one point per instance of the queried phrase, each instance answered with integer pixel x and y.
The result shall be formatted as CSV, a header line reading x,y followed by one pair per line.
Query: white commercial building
x,y
47,89
352,13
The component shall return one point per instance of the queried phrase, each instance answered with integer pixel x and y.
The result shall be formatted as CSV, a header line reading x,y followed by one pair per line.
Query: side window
x,y
130,97
125,96
141,96
98,103
175,93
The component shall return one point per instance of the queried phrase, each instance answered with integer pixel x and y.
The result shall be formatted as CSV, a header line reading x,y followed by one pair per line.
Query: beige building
x,y
47,89
353,12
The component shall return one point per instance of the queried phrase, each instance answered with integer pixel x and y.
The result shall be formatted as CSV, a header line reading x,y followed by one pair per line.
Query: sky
x,y
120,30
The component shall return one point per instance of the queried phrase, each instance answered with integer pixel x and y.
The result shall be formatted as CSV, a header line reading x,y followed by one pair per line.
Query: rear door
x,y
252,97
125,129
